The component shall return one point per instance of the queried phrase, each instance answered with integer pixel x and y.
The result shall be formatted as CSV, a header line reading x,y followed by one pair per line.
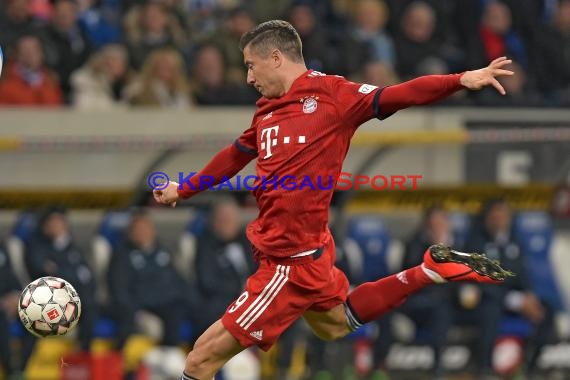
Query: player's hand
x,y
168,195
477,79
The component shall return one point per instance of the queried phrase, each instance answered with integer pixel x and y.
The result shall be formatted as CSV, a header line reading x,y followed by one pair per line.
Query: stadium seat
x,y
373,239
515,326
460,225
369,233
17,329
105,328
113,226
109,235
21,234
534,231
187,331
25,226
187,244
560,263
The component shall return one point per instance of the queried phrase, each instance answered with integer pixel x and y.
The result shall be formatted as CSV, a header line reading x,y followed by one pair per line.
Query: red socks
x,y
372,299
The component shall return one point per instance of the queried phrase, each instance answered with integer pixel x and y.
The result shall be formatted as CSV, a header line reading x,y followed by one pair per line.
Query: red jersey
x,y
302,136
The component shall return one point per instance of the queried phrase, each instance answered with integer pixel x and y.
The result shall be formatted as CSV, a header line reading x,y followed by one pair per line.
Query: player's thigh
x,y
212,349
330,324
274,298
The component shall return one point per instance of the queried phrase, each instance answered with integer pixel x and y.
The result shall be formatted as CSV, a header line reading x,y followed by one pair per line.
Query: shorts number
x,y
241,299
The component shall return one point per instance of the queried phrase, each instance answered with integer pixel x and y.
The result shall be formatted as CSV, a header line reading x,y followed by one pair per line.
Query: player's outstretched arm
x,y
433,88
224,165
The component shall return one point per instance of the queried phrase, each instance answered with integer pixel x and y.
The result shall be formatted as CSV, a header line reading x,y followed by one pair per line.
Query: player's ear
x,y
277,58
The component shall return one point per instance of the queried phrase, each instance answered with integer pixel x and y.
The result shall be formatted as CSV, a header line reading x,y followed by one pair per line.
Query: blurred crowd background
x,y
151,285
101,54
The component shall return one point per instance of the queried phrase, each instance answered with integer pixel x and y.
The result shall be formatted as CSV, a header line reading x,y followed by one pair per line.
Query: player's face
x,y
261,73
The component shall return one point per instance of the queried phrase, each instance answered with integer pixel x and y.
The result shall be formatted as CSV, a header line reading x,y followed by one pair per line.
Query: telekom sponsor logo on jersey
x,y
268,139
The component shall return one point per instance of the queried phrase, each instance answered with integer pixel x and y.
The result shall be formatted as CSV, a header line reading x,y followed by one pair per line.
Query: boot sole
x,y
480,263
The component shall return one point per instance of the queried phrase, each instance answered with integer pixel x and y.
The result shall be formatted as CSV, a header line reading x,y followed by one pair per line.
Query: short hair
x,y
274,34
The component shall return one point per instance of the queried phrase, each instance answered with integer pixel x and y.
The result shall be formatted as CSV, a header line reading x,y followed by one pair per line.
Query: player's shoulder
x,y
322,82
333,82
317,77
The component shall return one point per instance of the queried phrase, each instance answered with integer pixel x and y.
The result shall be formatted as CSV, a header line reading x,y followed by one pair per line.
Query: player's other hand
x,y
477,79
168,195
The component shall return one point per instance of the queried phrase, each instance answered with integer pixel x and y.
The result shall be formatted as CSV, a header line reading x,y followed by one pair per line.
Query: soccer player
x,y
302,128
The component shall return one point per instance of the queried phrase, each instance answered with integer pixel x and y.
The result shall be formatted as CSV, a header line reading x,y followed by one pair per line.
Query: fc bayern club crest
x,y
309,104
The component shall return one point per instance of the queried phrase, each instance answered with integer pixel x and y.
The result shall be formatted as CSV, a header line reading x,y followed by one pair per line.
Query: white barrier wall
x,y
119,168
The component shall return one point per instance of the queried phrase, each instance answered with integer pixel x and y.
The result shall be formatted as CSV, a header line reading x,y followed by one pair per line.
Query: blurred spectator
x,y
552,56
349,38
66,45
377,74
161,83
180,10
432,308
270,10
204,16
98,85
316,49
149,28
52,252
519,92
349,50
227,39
325,12
100,22
142,277
419,52
16,21
41,9
223,250
528,15
10,289
371,17
515,297
328,42
497,38
209,81
26,81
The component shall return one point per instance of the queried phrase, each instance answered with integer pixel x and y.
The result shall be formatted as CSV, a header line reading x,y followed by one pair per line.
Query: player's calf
x,y
211,351
328,325
371,300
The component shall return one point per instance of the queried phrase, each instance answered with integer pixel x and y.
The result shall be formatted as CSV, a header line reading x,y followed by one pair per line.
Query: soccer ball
x,y
49,306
